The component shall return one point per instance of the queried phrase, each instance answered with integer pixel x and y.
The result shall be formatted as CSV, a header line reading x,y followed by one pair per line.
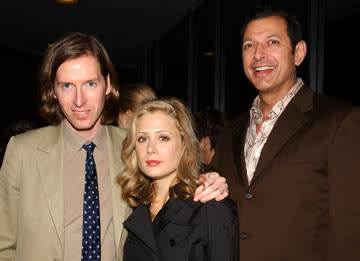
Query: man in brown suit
x,y
291,163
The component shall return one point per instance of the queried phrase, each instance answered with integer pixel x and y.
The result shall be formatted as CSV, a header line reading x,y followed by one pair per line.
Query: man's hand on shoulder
x,y
212,186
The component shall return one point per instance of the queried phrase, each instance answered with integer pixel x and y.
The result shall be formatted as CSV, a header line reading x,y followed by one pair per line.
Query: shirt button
x,y
172,242
243,236
249,196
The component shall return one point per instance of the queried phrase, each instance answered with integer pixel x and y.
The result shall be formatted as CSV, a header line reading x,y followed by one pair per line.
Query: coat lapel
x,y
139,223
238,150
290,121
50,166
120,208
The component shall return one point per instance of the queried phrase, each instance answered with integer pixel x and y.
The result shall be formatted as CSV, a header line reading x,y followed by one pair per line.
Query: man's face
x,y
80,89
268,60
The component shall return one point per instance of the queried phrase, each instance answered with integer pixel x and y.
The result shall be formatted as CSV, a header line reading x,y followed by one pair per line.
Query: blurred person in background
x,y
209,122
133,95
13,129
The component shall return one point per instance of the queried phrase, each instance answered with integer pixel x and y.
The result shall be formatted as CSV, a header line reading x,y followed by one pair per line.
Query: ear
x,y
202,144
54,95
300,52
128,114
207,143
108,85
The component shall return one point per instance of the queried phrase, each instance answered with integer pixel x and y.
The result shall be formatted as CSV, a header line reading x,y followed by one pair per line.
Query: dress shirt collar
x,y
75,142
256,112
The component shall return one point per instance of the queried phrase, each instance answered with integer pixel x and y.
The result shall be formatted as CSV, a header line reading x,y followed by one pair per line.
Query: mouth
x,y
264,68
152,163
81,114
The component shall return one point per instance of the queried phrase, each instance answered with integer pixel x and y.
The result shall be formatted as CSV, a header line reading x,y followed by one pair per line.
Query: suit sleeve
x,y
223,232
9,196
344,190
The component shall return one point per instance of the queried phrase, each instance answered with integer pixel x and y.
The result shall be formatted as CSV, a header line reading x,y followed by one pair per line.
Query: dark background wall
x,y
199,59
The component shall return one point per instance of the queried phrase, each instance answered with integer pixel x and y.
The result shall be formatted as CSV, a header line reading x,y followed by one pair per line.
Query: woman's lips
x,y
152,163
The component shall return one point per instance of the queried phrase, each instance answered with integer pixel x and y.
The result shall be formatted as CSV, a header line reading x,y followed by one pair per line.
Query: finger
x,y
198,192
204,193
221,196
219,184
202,178
213,192
210,178
210,196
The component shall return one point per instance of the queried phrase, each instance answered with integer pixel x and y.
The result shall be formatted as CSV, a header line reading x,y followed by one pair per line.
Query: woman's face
x,y
158,145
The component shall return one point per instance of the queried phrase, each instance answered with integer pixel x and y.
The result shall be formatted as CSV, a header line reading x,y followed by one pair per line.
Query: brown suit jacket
x,y
303,202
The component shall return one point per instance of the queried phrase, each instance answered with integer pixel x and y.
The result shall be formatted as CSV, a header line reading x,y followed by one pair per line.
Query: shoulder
x,y
37,136
220,212
233,127
116,132
333,112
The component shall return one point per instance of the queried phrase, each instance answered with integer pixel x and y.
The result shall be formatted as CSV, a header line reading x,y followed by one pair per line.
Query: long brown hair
x,y
72,46
136,187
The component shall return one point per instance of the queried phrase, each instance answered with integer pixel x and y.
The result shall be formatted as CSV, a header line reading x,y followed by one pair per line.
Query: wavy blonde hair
x,y
137,188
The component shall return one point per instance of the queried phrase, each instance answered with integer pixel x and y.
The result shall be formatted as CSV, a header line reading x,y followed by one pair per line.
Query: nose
x,y
80,97
260,52
151,147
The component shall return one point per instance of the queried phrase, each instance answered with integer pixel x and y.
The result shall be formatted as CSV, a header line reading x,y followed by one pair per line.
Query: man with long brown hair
x,y
48,210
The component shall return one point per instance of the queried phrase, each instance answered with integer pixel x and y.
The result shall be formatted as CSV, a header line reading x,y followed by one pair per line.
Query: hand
x,y
212,186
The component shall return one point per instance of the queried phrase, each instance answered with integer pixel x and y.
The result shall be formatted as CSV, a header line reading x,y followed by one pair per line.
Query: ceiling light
x,y
66,1
209,53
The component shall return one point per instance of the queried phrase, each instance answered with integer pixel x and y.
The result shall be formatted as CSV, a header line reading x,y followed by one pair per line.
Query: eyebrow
x,y
267,37
158,131
63,82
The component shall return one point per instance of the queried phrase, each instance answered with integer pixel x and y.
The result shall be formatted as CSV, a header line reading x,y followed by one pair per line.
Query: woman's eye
x,y
141,139
164,138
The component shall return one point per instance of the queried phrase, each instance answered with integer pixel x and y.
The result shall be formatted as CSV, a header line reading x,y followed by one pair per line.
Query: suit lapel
x,y
238,150
290,121
50,165
120,207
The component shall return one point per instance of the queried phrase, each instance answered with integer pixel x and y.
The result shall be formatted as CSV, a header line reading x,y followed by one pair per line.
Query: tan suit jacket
x,y
32,195
303,202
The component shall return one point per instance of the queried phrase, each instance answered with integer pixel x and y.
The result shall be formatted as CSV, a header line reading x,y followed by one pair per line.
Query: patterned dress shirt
x,y
255,141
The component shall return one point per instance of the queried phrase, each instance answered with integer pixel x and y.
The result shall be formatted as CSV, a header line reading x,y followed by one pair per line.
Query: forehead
x,y
84,66
156,121
272,25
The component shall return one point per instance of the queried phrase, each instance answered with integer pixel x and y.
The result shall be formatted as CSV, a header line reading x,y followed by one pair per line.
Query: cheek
x,y
139,153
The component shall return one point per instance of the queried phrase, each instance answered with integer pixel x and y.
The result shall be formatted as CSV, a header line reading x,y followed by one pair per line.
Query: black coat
x,y
183,230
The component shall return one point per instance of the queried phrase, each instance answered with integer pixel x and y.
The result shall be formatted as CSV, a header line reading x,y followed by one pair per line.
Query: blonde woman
x,y
162,167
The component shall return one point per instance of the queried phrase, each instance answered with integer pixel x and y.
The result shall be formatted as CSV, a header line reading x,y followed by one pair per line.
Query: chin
x,y
85,125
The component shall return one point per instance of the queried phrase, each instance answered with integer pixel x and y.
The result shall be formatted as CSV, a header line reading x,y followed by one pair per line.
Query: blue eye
x,y
91,84
66,85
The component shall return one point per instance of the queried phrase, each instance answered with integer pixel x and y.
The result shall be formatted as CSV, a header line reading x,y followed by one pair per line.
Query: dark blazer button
x,y
243,236
172,242
249,196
